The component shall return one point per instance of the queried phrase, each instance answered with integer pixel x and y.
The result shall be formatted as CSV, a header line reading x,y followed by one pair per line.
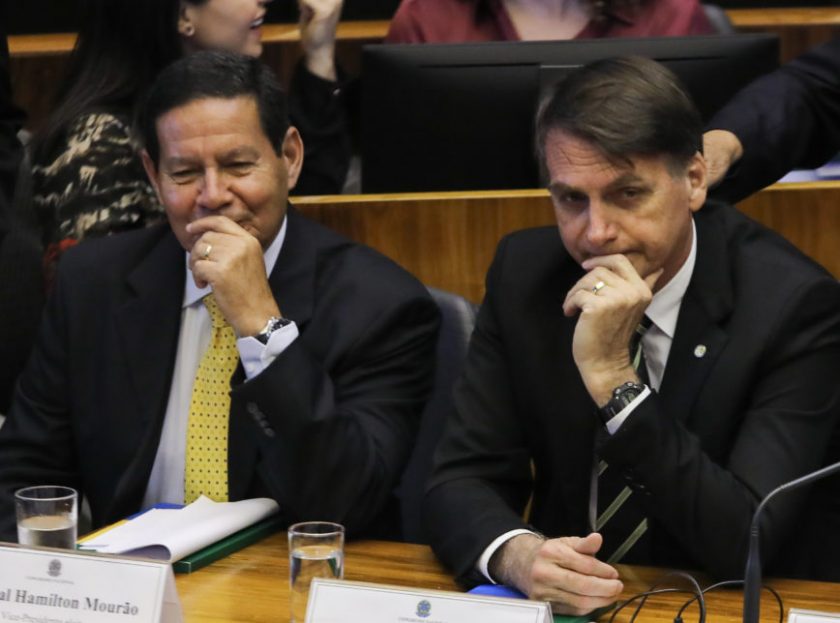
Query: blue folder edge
x,y
500,590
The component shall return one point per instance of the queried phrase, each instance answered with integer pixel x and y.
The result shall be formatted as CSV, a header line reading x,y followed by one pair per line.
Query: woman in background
x,y
451,21
87,178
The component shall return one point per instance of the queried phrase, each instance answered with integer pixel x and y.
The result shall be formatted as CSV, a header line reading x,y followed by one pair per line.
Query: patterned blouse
x,y
94,186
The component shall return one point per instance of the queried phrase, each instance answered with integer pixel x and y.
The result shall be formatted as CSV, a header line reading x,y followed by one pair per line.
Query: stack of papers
x,y
172,534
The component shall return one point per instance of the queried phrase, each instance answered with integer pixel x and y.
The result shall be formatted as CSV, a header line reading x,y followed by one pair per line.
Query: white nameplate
x,y
340,601
796,615
60,586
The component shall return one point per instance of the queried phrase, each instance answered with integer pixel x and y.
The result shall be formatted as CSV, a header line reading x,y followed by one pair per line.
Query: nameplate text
x,y
60,586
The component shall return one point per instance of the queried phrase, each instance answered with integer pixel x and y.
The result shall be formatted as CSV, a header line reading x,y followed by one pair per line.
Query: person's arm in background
x,y
787,119
316,102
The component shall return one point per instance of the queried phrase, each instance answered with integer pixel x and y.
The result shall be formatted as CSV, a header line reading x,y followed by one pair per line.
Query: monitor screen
x,y
460,116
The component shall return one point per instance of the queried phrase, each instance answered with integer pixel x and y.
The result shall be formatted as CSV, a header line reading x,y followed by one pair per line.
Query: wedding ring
x,y
206,253
598,287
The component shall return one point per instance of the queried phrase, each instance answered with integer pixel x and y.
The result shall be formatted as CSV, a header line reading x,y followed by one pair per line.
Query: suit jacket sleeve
x,y
784,428
335,430
317,107
787,119
481,479
37,442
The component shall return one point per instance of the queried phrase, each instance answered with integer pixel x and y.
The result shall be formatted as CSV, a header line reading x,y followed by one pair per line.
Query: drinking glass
x,y
47,516
316,550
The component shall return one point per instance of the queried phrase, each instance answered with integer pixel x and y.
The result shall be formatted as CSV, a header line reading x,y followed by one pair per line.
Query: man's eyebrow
x,y
178,161
626,179
557,187
244,151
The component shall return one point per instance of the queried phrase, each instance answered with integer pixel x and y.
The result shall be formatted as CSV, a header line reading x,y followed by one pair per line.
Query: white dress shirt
x,y
166,482
663,311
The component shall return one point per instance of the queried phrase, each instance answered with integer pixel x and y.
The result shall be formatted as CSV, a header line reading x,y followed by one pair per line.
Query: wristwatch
x,y
274,323
622,396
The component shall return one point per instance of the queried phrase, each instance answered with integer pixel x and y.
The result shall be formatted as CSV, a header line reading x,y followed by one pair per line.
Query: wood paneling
x,y
448,239
799,29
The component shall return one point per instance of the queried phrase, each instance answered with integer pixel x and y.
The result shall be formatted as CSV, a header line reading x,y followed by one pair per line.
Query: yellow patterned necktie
x,y
205,469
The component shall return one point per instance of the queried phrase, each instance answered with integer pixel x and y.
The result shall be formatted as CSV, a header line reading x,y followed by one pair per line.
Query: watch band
x,y
273,323
622,396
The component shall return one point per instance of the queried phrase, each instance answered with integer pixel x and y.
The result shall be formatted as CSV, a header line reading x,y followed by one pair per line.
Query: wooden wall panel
x,y
448,239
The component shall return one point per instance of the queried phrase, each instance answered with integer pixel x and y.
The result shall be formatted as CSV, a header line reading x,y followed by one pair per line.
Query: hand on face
x,y
611,300
562,571
318,24
230,260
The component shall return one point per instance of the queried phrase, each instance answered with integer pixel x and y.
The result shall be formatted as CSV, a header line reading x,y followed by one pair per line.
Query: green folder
x,y
586,618
228,545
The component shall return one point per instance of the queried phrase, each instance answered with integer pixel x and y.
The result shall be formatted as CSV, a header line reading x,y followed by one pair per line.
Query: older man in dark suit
x,y
648,375
239,350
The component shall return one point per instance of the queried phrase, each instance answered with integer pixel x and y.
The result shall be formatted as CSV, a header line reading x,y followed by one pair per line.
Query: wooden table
x,y
253,585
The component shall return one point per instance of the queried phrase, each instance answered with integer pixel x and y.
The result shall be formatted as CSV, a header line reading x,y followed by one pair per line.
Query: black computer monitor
x,y
460,116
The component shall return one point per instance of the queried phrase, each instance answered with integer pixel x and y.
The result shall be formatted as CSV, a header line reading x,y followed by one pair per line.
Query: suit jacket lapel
x,y
699,337
147,325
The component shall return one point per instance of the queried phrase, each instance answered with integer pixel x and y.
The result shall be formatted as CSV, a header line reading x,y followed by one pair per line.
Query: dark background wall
x,y
42,16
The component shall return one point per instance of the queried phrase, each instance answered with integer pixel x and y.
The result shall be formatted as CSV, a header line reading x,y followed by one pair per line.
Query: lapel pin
x,y
700,351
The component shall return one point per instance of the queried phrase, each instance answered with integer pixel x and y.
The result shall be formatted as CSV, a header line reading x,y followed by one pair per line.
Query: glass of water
x,y
316,550
47,516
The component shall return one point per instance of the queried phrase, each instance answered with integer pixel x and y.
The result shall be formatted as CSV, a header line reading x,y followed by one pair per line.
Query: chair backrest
x,y
719,19
457,321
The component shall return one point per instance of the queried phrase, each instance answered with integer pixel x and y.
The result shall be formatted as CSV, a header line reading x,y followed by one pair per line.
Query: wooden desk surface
x,y
253,585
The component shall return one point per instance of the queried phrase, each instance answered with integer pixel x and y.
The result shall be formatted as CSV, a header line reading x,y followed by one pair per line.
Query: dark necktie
x,y
620,518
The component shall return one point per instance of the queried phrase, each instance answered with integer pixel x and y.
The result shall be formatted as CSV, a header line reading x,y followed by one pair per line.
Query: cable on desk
x,y
697,592
779,601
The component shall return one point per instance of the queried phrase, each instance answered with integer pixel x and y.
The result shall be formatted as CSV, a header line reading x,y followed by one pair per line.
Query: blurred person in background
x,y
452,21
87,178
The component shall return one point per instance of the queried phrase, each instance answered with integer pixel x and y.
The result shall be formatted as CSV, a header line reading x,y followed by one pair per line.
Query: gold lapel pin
x,y
700,351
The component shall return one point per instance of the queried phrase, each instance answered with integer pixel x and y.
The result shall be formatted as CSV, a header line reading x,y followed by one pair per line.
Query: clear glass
x,y
316,550
47,516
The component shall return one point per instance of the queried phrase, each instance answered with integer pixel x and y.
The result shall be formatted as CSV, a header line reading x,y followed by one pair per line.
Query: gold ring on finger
x,y
598,287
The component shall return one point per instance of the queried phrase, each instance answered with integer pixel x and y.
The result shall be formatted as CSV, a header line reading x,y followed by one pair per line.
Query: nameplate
x,y
340,600
797,615
60,586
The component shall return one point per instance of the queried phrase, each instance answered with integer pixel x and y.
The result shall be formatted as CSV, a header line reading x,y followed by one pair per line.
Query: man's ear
x,y
185,22
292,153
698,182
151,173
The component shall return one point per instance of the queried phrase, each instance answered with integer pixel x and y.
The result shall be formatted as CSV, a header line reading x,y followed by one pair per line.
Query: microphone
x,y
752,573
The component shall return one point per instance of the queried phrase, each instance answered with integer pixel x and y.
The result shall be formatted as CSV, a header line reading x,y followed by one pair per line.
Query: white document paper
x,y
41,584
340,601
171,534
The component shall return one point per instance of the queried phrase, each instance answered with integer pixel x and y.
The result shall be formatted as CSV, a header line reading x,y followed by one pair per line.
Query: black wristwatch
x,y
274,323
622,396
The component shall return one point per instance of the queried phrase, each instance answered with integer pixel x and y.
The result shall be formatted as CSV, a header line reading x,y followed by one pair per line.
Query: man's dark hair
x,y
624,107
215,75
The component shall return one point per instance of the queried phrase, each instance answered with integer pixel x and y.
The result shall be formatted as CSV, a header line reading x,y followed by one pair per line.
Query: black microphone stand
x,y
752,574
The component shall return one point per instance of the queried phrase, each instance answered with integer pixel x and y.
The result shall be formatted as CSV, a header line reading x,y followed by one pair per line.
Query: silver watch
x,y
274,323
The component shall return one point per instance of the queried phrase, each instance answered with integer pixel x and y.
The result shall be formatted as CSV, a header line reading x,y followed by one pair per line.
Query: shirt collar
x,y
664,309
193,294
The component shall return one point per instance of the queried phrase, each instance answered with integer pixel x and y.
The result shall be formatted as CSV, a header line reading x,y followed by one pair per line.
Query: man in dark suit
x,y
653,453
331,344
788,119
